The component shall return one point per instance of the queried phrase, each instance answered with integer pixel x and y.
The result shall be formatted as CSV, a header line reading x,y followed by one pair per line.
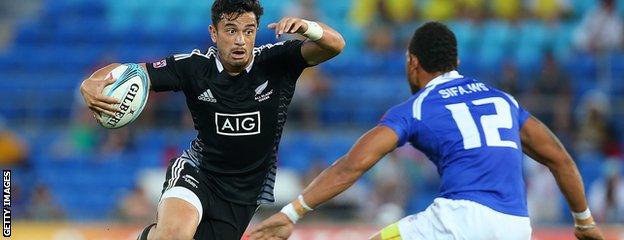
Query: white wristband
x,y
290,212
314,32
304,204
582,215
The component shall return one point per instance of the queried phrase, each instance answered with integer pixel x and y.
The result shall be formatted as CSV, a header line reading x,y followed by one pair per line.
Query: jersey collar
x,y
220,65
444,78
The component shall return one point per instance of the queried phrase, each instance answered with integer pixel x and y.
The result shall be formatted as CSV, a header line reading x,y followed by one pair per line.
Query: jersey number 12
x,y
489,123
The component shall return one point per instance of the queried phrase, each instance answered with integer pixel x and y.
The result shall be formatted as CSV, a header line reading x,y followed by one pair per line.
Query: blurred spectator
x,y
601,29
19,200
550,10
592,119
606,194
390,190
13,150
317,165
365,12
541,185
552,86
305,9
438,10
287,185
506,9
612,146
82,137
43,207
380,39
5,9
312,88
471,9
136,207
509,81
116,143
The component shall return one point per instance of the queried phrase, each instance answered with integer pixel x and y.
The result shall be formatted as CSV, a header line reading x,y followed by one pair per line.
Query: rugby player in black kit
x,y
238,96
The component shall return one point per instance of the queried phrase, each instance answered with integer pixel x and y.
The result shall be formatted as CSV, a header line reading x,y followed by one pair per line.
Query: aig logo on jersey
x,y
242,124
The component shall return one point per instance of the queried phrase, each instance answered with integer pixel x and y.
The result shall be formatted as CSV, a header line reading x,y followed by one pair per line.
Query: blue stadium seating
x,y
50,55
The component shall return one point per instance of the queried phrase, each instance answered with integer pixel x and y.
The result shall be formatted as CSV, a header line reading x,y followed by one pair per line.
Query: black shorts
x,y
220,219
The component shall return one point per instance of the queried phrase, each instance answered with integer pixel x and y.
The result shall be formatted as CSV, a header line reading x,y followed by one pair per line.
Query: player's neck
x,y
233,70
426,77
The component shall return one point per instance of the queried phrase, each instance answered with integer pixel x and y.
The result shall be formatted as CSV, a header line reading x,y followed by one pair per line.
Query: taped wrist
x,y
314,32
291,213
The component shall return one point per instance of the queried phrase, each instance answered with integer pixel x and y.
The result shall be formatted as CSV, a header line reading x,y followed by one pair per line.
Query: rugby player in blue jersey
x,y
475,134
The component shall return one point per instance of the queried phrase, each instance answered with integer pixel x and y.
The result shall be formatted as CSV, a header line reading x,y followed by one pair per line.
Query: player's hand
x,y
277,226
588,234
91,90
289,25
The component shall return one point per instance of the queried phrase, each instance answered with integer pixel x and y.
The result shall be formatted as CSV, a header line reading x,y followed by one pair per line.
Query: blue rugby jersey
x,y
471,132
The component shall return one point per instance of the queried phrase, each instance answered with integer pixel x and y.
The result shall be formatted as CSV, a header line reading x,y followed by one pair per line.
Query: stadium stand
x,y
42,66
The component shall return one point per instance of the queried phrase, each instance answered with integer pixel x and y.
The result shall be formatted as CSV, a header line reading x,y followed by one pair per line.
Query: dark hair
x,y
223,8
435,46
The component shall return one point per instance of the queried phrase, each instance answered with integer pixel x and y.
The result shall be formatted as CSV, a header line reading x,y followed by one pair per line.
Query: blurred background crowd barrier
x,y
562,59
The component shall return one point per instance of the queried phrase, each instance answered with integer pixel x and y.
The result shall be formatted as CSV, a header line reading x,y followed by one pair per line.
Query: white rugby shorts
x,y
460,219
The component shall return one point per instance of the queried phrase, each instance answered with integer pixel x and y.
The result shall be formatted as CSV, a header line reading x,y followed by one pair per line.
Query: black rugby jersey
x,y
239,119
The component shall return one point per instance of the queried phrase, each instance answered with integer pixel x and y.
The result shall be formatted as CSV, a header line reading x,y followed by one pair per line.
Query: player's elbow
x,y
337,44
340,44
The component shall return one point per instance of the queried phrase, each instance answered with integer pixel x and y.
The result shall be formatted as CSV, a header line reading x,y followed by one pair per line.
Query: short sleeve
x,y
396,119
168,74
288,55
523,115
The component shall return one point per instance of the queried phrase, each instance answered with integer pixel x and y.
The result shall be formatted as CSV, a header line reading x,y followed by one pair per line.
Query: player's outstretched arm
x,y
325,42
366,152
542,145
91,90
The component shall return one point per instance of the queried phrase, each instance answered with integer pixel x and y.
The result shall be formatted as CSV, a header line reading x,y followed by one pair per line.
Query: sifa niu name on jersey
x,y
466,89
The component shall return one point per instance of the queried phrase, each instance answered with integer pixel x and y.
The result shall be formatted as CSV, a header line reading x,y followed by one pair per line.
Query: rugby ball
x,y
131,88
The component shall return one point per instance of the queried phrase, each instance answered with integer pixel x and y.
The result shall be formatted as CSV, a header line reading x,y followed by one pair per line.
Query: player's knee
x,y
171,233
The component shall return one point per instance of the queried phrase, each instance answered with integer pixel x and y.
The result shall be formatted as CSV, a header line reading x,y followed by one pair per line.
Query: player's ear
x,y
413,62
213,33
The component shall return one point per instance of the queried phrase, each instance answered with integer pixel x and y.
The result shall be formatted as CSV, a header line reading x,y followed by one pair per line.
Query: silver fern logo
x,y
260,96
261,88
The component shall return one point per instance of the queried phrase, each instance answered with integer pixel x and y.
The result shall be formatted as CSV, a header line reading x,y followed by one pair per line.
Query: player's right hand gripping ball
x,y
131,87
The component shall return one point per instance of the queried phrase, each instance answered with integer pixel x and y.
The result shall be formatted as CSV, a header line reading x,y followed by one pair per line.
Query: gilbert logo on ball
x,y
131,88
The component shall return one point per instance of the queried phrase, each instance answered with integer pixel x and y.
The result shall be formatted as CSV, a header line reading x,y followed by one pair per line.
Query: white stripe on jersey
x,y
211,52
175,172
258,50
417,107
512,99
444,78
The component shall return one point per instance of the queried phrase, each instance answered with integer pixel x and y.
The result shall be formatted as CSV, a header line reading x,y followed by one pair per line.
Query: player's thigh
x,y
181,206
177,218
